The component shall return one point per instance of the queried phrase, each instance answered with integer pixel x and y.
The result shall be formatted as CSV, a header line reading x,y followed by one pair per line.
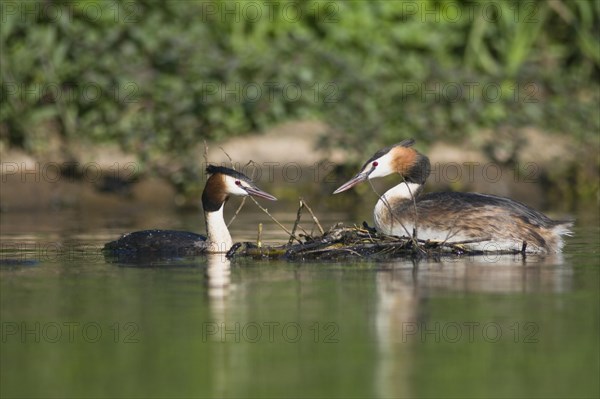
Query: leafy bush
x,y
433,75
158,77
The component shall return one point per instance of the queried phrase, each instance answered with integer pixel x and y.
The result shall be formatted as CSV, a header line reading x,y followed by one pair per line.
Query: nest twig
x,y
342,242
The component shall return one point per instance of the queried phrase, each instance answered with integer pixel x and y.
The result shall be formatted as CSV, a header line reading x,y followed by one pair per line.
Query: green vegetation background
x,y
159,77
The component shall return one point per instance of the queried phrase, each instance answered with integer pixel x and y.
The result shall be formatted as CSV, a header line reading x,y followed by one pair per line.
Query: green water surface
x,y
74,324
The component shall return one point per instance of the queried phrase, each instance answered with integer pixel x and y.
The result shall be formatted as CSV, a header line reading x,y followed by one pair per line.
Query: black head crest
x,y
213,169
405,143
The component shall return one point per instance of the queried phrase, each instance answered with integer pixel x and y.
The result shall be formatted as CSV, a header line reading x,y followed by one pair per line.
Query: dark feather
x,y
213,169
168,243
465,202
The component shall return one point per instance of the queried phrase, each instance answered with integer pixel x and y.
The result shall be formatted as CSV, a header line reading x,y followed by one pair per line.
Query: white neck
x,y
402,191
386,220
219,239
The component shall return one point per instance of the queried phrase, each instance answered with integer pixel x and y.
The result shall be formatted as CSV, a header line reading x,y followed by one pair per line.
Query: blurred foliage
x,y
159,77
433,75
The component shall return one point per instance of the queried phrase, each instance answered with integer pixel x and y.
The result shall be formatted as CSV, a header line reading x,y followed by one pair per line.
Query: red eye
x,y
375,163
237,182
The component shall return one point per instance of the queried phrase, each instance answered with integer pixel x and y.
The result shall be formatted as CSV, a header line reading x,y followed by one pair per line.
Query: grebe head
x,y
399,158
224,182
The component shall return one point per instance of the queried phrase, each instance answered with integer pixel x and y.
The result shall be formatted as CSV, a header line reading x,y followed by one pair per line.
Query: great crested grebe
x,y
485,222
222,183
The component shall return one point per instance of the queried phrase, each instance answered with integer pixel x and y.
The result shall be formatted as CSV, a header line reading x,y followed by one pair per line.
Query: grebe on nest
x,y
222,183
482,221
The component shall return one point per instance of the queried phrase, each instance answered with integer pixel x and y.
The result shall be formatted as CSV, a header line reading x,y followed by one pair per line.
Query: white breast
x,y
389,222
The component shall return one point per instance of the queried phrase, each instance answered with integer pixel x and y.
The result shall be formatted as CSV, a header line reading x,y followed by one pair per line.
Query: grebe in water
x,y
222,183
490,222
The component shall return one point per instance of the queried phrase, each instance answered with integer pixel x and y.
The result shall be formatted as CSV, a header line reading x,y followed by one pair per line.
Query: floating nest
x,y
342,242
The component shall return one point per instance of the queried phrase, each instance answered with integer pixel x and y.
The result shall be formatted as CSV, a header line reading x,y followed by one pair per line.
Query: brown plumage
x,y
472,216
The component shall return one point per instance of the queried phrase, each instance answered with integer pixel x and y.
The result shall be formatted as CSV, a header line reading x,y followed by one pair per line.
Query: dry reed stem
x,y
298,216
313,216
275,220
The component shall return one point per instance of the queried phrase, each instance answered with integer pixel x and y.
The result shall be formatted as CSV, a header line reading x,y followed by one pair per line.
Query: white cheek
x,y
239,191
383,168
233,188
380,171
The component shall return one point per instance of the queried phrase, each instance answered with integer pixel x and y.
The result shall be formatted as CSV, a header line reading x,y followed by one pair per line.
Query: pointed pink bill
x,y
256,192
359,178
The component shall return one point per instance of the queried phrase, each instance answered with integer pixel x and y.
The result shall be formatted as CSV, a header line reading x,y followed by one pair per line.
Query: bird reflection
x,y
492,273
404,289
218,282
